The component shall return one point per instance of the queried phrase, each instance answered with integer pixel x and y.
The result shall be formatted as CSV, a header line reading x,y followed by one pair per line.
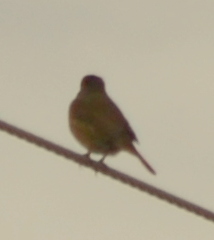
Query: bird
x,y
98,124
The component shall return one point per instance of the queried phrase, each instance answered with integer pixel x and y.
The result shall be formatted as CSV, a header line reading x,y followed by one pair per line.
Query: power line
x,y
98,167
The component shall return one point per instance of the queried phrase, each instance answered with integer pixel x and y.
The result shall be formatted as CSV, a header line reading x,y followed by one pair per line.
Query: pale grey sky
x,y
157,61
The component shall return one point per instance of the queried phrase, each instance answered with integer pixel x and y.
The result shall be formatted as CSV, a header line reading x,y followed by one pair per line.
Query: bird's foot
x,y
87,155
101,161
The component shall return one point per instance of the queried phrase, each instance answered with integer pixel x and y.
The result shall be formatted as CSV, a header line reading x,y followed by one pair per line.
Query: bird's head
x,y
92,83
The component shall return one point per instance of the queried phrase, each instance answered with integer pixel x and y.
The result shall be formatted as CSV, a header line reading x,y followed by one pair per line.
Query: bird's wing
x,y
108,118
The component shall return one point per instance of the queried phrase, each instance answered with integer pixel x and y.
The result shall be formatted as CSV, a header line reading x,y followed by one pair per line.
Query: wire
x,y
100,167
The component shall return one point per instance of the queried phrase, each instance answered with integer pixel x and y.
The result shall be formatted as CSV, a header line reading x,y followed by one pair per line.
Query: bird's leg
x,y
102,159
87,154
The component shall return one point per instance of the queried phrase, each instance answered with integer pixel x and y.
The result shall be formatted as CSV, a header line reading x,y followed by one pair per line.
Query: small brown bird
x,y
98,124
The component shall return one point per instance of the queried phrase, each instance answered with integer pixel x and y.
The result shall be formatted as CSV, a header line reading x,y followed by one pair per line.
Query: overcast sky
x,y
156,58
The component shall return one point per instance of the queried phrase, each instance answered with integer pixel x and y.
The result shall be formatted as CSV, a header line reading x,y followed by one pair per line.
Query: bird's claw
x,y
87,155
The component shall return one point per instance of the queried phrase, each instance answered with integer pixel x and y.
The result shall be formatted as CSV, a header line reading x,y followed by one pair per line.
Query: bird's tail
x,y
134,151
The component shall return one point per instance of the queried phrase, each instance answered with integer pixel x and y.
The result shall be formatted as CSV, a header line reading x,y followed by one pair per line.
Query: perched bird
x,y
98,124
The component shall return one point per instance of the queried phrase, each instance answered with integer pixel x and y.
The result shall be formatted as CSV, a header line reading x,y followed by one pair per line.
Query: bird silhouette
x,y
98,124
